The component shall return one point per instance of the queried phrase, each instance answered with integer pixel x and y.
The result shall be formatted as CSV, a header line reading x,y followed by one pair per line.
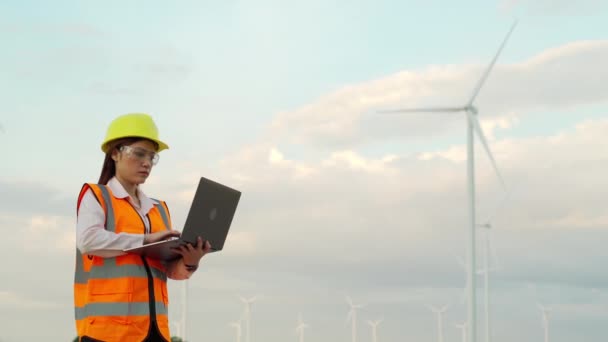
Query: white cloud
x,y
41,234
557,79
299,170
13,300
418,201
355,161
242,243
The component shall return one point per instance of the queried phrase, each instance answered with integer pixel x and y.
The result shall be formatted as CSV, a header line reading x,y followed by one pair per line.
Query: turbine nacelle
x,y
472,109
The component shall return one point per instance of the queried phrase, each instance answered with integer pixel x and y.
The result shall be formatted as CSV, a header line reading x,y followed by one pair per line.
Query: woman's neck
x,y
131,188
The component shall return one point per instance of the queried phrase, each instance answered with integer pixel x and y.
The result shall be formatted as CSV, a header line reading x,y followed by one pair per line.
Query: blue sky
x,y
246,60
274,98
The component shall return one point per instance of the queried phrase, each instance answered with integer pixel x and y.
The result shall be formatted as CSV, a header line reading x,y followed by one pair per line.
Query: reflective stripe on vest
x,y
80,276
110,222
163,214
119,309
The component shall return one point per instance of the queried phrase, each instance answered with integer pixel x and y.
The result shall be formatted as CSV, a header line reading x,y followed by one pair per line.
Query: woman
x,y
120,296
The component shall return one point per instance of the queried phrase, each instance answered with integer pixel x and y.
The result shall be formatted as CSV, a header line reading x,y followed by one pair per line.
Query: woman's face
x,y
134,162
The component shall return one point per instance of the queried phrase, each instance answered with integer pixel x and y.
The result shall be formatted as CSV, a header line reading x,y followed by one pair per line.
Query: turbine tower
x,y
300,328
352,314
545,316
178,329
374,325
237,326
247,313
463,330
488,267
439,312
184,309
473,127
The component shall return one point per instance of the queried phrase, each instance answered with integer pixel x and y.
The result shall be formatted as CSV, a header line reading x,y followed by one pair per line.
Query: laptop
x,y
210,217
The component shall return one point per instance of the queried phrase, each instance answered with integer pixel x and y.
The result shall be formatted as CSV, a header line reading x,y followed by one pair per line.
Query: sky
x,y
280,100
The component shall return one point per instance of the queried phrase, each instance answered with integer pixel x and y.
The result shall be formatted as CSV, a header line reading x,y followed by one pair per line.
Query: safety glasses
x,y
140,154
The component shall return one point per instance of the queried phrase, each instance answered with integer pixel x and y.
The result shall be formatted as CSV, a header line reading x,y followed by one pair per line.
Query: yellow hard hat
x,y
133,125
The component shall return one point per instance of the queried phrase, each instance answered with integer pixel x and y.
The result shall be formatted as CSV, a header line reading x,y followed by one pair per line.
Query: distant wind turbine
x,y
439,312
237,326
300,328
184,309
545,316
247,303
489,266
374,325
352,315
473,126
463,330
489,254
177,332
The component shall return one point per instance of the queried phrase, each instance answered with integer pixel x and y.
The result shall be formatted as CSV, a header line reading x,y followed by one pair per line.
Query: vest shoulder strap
x,y
102,195
164,212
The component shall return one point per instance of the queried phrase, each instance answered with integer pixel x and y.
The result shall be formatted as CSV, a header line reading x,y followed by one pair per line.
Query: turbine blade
x,y
489,68
464,294
349,315
500,205
433,308
423,110
461,263
482,137
494,262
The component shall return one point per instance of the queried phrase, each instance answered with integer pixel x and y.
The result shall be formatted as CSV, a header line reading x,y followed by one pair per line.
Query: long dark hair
x,y
108,170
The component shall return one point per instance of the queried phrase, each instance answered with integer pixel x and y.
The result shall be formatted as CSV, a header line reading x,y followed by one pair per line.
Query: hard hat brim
x,y
161,145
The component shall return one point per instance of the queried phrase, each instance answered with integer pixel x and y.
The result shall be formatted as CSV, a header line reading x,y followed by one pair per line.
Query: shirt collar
x,y
119,191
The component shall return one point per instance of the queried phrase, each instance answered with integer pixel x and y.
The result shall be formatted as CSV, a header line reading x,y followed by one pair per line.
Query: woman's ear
x,y
115,155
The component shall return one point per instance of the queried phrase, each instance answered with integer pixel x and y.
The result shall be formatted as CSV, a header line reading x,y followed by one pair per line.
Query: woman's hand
x,y
193,254
160,236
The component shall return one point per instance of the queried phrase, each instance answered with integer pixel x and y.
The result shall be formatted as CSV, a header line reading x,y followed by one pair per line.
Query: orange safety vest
x,y
116,299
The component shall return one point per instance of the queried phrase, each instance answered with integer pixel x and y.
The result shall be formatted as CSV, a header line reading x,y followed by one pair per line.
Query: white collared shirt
x,y
92,237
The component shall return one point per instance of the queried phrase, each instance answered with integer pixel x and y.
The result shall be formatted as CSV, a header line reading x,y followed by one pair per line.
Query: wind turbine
x,y
545,316
177,326
463,330
184,309
473,127
300,327
488,253
488,267
439,312
352,314
237,326
247,303
374,325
